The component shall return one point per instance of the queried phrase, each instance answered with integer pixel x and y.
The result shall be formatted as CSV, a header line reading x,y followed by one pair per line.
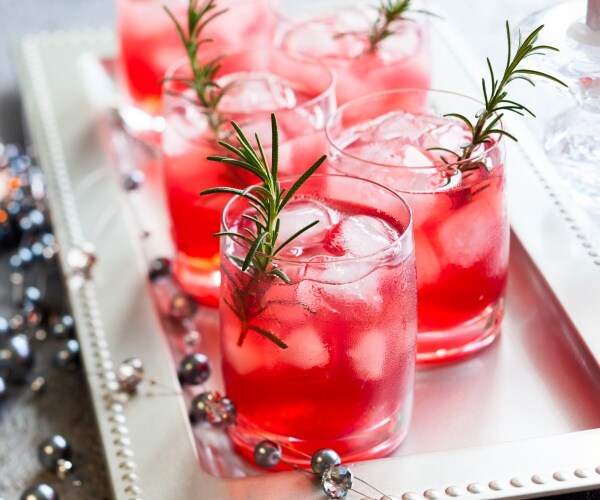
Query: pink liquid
x,y
346,379
400,61
460,225
149,43
187,142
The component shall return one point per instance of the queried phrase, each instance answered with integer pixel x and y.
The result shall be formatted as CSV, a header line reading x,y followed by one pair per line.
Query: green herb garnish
x,y
495,95
208,92
388,12
268,200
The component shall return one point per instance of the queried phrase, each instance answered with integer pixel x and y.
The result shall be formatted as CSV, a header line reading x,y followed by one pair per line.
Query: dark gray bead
x,y
53,449
16,358
67,357
40,492
267,453
159,268
133,180
323,459
194,369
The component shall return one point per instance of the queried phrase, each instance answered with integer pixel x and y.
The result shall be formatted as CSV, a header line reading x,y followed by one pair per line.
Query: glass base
x,y
141,124
460,341
375,442
199,277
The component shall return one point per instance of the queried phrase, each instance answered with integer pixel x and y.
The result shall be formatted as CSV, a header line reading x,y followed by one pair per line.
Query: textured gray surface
x,y
19,17
64,408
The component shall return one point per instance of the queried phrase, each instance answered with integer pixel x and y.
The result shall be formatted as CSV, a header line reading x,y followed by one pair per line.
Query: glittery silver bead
x,y
213,408
130,373
182,306
40,492
133,180
67,357
16,358
267,453
337,481
323,459
194,369
53,449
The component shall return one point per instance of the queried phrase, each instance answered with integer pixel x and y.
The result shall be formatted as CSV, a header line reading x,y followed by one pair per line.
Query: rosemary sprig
x,y
268,200
208,92
388,12
495,94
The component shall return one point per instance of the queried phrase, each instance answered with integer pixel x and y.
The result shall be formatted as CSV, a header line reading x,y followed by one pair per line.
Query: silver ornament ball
x,y
40,492
16,358
323,459
194,369
52,450
183,306
336,481
130,373
213,408
267,453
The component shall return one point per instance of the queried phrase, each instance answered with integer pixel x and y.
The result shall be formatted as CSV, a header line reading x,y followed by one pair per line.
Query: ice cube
x,y
429,267
467,235
368,355
396,124
448,135
306,349
359,236
299,213
255,91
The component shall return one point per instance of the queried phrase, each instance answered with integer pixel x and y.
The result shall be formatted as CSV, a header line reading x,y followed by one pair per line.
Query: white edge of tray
x,y
149,447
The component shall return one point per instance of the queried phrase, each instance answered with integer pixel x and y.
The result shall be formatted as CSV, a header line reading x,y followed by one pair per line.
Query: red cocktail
x,y
348,319
149,45
260,81
460,217
341,40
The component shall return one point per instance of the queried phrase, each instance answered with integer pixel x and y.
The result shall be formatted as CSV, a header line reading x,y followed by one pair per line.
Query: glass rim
x,y
406,232
328,92
339,111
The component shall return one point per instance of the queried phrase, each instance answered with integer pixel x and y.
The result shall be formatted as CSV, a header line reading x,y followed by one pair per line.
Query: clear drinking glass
x,y
345,380
149,45
459,208
262,80
337,33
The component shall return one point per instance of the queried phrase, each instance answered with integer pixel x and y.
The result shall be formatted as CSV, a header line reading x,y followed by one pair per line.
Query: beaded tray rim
x,y
563,463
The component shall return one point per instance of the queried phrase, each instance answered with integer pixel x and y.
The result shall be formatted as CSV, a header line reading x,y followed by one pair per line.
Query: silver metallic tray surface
x,y
522,419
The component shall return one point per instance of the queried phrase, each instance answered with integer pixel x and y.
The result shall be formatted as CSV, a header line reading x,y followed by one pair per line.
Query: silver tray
x,y
522,419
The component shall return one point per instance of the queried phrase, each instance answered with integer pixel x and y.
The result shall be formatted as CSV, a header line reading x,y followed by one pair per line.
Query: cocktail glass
x,y
338,36
262,80
149,45
459,208
348,319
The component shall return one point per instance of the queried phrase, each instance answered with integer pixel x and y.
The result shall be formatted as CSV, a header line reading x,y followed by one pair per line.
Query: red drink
x,y
460,217
265,80
345,381
149,44
401,60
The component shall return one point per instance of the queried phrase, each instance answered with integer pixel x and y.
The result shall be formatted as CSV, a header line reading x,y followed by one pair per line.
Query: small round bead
x,y
182,306
40,492
159,268
213,408
337,481
194,369
16,357
130,373
267,453
133,180
323,459
68,356
2,389
53,449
